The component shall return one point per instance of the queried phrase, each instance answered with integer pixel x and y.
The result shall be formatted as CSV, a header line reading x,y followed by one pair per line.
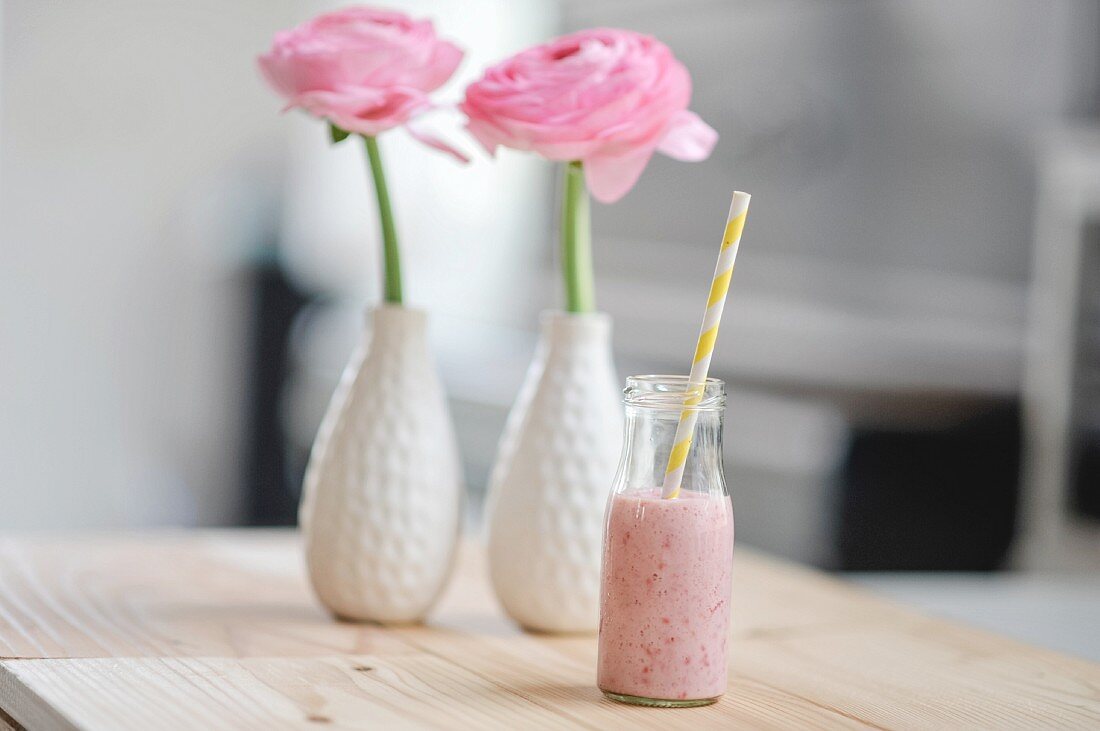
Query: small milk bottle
x,y
665,582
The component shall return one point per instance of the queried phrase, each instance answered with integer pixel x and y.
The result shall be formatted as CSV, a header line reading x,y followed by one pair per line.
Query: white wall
x,y
122,123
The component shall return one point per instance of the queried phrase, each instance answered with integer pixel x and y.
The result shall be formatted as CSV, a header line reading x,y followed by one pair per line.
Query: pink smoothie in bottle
x,y
665,595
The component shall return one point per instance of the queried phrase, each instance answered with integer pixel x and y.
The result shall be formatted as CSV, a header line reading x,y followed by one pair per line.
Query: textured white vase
x,y
554,469
383,490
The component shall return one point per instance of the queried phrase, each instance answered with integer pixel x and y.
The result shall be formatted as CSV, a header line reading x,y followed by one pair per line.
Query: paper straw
x,y
697,380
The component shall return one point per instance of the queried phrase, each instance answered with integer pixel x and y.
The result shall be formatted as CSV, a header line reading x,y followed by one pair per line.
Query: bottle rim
x,y
667,393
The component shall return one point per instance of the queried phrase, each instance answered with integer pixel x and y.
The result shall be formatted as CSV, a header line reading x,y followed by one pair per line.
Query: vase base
x,y
568,632
397,624
637,700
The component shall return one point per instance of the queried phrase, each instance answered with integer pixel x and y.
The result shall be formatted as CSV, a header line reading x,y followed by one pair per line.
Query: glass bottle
x,y
665,581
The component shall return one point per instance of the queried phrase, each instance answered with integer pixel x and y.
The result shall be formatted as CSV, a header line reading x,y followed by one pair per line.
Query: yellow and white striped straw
x,y
696,385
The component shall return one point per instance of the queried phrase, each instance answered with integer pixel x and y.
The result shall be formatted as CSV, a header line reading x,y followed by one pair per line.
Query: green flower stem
x,y
576,242
391,255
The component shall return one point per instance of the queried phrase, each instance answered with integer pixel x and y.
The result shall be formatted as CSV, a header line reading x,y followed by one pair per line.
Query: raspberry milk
x,y
665,595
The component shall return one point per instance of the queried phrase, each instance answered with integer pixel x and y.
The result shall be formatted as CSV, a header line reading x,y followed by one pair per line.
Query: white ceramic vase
x,y
554,469
383,490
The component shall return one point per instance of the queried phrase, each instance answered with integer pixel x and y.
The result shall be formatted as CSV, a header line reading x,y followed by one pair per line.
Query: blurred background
x,y
912,340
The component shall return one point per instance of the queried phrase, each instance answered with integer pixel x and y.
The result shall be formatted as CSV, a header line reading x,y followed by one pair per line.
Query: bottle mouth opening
x,y
669,393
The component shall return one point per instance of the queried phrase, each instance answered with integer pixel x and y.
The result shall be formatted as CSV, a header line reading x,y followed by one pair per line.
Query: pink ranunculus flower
x,y
607,97
364,70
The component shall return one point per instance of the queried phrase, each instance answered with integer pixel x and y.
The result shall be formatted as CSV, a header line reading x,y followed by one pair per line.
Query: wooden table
x,y
219,630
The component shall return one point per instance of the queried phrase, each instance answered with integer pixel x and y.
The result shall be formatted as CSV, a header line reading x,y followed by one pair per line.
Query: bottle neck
x,y
648,441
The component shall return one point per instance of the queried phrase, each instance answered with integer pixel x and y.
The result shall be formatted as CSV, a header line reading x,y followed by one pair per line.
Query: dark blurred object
x,y
1061,375
1086,488
931,500
1084,474
270,483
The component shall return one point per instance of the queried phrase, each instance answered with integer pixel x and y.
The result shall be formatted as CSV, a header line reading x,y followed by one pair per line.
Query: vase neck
x,y
390,322
570,330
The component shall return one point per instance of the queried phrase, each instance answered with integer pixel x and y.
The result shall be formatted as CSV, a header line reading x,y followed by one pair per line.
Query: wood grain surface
x,y
219,630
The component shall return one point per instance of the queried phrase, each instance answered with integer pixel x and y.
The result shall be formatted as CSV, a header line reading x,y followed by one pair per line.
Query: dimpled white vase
x,y
383,490
554,469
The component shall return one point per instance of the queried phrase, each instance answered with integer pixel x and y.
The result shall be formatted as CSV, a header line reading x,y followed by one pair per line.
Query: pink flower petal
x,y
611,177
425,137
484,134
361,110
688,138
445,59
